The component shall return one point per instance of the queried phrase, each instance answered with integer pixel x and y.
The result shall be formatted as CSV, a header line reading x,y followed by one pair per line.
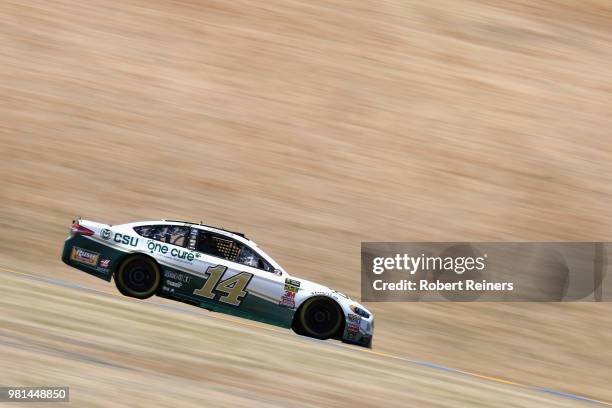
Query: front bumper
x,y
358,330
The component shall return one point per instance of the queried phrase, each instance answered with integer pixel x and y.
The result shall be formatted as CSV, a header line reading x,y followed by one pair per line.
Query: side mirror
x,y
278,272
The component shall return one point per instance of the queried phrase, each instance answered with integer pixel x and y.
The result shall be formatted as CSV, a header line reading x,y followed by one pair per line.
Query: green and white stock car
x,y
215,269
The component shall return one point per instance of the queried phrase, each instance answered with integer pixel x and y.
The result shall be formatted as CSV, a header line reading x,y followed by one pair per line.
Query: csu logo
x,y
106,233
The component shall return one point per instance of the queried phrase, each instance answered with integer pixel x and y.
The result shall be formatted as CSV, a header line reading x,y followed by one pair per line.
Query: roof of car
x,y
209,226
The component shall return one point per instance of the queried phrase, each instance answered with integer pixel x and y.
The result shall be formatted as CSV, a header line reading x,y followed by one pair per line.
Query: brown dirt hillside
x,y
313,126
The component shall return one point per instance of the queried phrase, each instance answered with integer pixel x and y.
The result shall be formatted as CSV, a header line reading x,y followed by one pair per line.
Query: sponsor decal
x,y
292,285
292,282
176,253
174,284
352,327
354,318
288,300
106,234
84,256
125,239
181,277
103,265
289,288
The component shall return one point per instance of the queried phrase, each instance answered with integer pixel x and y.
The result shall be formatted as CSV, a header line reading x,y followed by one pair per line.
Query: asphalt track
x,y
427,367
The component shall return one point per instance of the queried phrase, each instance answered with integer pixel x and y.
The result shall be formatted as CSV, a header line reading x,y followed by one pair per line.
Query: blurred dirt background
x,y
312,126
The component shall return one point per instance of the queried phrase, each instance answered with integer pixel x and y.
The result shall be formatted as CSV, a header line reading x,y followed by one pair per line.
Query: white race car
x,y
215,269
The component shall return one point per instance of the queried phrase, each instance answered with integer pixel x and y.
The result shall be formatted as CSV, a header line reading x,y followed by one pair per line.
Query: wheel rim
x,y
321,318
139,277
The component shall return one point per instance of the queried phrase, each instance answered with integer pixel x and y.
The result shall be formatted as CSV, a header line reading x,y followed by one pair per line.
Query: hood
x,y
316,287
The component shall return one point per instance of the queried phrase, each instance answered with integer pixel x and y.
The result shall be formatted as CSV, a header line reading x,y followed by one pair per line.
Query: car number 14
x,y
233,287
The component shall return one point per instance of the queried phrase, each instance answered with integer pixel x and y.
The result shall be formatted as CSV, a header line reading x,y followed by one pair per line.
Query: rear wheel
x,y
320,318
138,277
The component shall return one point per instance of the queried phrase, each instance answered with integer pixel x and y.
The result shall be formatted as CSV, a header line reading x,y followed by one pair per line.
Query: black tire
x,y
320,317
138,277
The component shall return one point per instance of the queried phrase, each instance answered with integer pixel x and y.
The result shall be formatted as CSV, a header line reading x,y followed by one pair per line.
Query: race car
x,y
216,269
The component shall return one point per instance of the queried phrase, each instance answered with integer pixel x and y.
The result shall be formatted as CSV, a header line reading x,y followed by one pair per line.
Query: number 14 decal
x,y
233,287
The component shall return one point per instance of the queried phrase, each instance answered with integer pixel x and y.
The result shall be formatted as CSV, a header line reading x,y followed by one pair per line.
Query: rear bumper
x,y
90,256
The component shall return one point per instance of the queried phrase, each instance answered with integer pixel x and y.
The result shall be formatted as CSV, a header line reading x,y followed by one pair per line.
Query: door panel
x,y
228,283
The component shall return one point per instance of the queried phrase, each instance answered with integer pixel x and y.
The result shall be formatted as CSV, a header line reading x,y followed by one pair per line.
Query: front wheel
x,y
138,277
320,318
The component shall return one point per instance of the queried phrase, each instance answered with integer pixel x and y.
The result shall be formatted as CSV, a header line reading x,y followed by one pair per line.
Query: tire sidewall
x,y
125,290
307,330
